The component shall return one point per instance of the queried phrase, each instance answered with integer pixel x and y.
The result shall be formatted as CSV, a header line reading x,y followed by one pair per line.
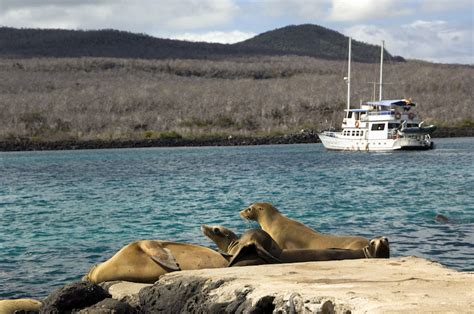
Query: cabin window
x,y
378,126
393,125
349,115
412,125
353,133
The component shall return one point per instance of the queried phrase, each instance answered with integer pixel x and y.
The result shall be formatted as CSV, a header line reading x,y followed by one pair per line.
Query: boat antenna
x,y
381,71
348,78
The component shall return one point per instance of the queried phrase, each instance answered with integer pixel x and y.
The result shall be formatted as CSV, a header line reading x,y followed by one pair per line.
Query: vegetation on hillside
x,y
104,98
303,40
316,41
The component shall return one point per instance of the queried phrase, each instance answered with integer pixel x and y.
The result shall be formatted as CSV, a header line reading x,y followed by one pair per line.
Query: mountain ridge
x,y
302,40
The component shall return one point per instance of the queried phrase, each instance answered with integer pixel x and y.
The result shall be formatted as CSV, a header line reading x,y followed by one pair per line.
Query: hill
x,y
315,41
302,40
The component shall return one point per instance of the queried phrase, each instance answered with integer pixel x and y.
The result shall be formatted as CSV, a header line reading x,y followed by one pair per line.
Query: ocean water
x,y
63,211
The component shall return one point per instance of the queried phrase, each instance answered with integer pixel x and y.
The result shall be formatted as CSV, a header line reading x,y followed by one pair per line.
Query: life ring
x,y
398,115
411,115
357,124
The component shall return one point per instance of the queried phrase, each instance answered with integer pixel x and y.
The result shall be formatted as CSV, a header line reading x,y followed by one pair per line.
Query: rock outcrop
x,y
74,297
404,284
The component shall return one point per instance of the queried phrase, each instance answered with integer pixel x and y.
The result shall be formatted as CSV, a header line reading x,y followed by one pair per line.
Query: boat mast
x,y
381,71
349,79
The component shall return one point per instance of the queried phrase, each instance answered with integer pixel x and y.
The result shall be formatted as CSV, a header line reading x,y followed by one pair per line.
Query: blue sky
x,y
433,30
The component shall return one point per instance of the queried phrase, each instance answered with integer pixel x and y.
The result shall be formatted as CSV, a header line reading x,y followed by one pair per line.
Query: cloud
x,y
308,9
444,5
436,41
137,16
216,37
350,10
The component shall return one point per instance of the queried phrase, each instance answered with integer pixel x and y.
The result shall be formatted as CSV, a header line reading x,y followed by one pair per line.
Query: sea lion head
x,y
257,209
441,218
222,236
377,248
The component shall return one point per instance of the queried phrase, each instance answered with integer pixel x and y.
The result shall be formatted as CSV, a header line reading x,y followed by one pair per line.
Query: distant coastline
x,y
306,136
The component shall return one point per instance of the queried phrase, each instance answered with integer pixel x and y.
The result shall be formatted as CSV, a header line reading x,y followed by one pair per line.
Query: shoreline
x,y
402,284
304,137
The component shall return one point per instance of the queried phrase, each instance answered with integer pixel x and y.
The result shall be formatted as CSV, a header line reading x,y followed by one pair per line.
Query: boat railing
x,y
381,113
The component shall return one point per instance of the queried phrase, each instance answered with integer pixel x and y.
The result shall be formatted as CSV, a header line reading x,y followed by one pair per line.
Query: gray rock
x,y
74,296
193,295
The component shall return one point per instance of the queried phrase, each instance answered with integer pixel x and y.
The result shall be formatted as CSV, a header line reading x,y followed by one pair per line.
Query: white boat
x,y
382,125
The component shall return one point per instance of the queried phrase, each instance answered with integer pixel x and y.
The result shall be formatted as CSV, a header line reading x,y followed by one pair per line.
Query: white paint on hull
x,y
337,142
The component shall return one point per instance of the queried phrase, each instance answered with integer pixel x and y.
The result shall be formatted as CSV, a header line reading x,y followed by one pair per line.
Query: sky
x,y
433,30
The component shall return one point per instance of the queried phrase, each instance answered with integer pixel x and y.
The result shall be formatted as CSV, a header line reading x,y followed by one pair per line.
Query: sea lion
x,y
377,248
146,260
291,234
25,305
221,236
256,247
441,218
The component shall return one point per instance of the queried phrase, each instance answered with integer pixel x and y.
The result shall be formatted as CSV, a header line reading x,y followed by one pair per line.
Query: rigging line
x,y
375,76
344,64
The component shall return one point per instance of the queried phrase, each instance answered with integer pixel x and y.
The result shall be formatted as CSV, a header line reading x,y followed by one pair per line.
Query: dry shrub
x,y
88,98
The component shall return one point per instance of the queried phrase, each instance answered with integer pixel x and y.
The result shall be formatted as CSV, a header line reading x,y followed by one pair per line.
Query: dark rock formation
x,y
74,296
109,306
193,295
263,306
187,295
305,136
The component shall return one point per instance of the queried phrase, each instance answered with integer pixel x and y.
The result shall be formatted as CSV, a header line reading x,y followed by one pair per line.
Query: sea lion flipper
x,y
253,248
163,256
267,256
224,254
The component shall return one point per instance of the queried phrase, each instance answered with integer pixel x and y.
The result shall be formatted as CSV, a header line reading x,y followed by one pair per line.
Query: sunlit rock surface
x,y
406,284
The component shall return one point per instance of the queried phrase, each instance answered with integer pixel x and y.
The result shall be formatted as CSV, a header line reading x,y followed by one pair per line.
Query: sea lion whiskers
x,y
377,248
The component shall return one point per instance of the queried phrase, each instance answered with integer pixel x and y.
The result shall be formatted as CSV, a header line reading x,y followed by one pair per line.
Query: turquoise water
x,y
63,211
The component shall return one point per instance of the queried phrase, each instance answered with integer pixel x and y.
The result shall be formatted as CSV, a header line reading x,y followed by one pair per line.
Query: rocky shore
x,y
305,136
402,285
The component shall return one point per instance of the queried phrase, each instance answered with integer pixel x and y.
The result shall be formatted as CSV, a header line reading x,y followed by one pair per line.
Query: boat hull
x,y
334,141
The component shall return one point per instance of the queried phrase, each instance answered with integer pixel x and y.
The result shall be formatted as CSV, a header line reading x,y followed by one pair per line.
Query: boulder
x,y
74,296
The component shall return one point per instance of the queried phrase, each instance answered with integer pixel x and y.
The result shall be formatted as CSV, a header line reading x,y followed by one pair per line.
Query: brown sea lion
x,y
252,248
146,260
377,248
17,305
441,218
291,234
256,247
